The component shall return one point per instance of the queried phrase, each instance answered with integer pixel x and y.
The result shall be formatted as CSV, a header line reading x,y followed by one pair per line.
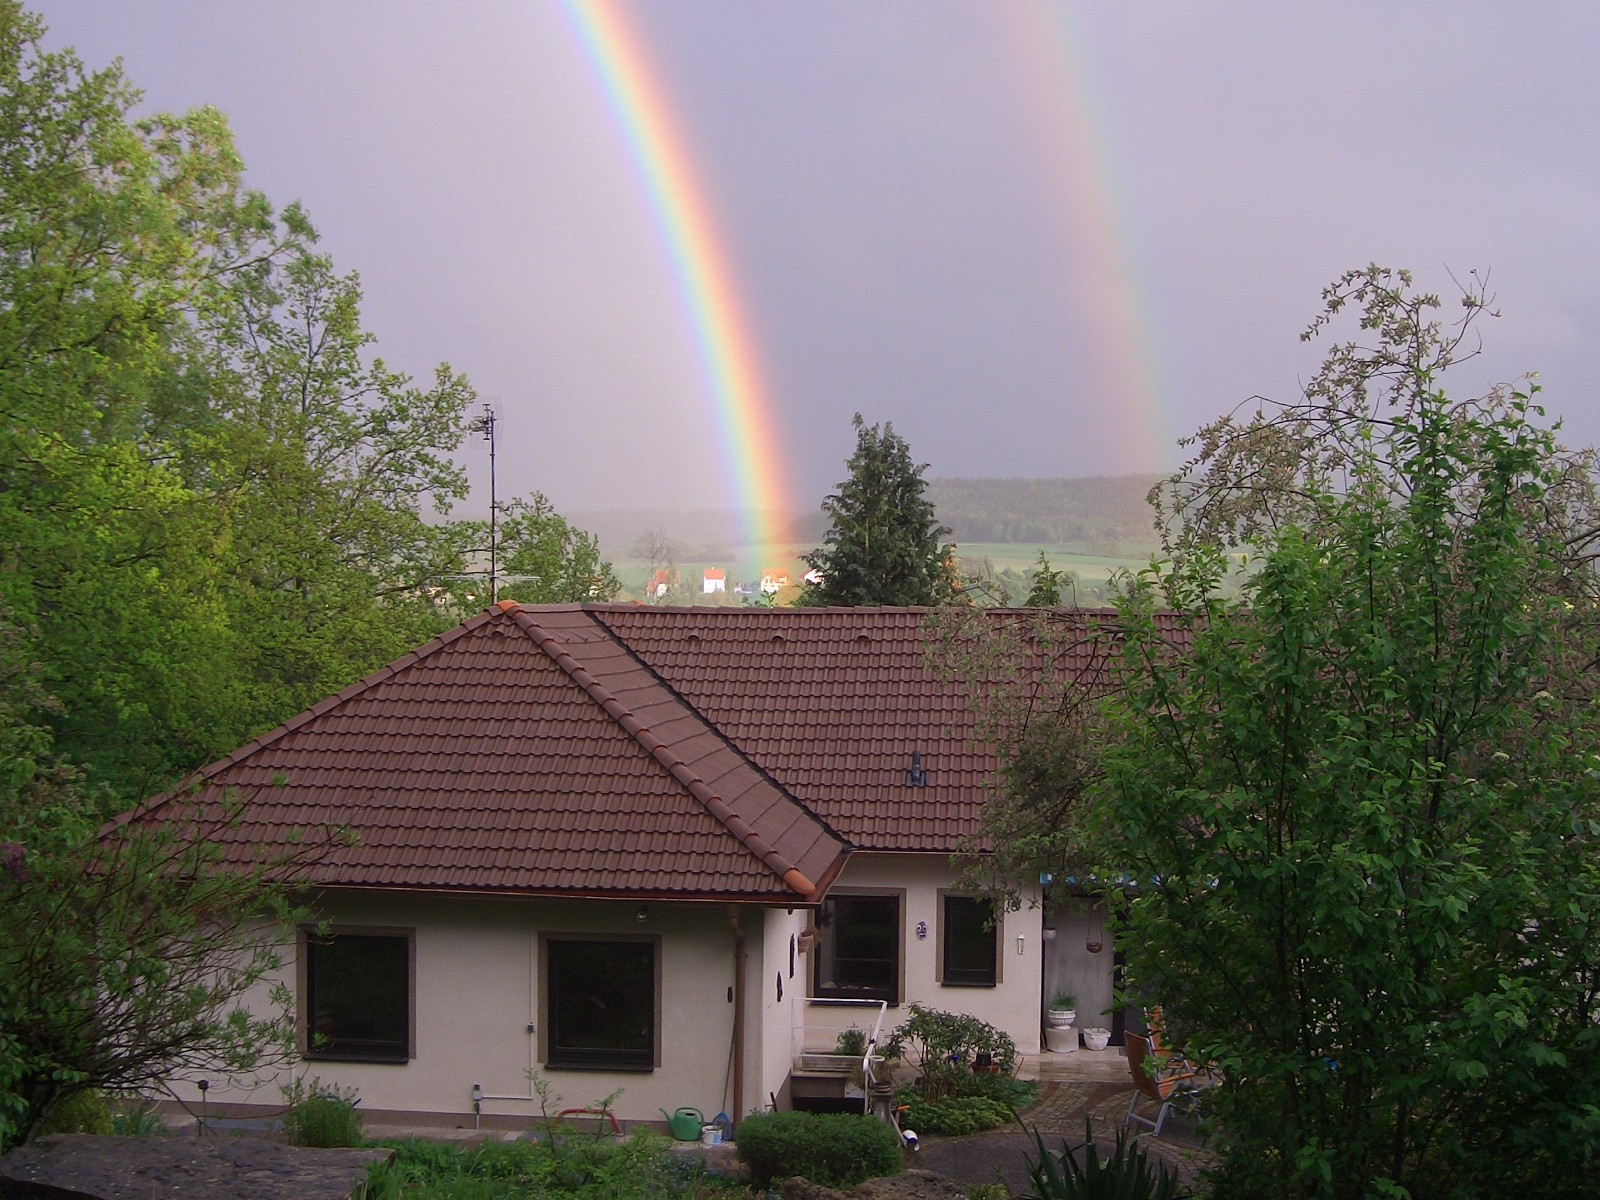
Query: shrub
x,y
566,1166
943,1046
851,1042
321,1115
952,1115
833,1149
83,1111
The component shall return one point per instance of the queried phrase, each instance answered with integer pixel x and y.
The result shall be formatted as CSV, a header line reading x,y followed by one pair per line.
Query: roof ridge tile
x,y
769,855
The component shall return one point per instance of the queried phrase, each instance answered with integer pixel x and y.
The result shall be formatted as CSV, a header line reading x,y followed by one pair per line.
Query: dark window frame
x,y
309,941
560,1058
826,925
967,977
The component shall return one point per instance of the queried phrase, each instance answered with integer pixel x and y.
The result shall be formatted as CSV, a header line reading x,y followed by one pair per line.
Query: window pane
x,y
969,941
602,1004
358,997
860,948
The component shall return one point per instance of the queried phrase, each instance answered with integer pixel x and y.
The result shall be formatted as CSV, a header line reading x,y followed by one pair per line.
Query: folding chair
x,y
1172,1077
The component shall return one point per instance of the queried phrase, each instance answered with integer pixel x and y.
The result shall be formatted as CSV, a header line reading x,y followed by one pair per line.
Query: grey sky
x,y
900,195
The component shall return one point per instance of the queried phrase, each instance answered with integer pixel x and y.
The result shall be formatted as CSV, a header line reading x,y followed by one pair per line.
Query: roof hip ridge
x,y
768,854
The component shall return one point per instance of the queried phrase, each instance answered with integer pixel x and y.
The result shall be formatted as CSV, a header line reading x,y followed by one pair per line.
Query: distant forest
x,y
1101,508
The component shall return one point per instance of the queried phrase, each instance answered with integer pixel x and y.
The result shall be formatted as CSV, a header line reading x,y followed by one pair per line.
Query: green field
x,y
1087,563
1091,565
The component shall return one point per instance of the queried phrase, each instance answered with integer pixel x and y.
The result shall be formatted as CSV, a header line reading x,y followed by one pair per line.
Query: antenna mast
x,y
485,425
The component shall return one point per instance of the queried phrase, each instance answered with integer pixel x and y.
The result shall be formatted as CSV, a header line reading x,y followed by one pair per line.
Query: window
x,y
858,948
356,995
600,1003
969,950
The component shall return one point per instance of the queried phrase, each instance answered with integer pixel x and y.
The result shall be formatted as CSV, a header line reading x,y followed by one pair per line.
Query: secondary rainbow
x,y
726,346
1045,38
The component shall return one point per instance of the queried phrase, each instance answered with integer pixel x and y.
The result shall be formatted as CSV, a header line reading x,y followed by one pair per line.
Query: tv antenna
x,y
485,425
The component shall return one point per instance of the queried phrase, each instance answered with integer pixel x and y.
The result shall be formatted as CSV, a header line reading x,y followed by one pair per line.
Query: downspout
x,y
738,1013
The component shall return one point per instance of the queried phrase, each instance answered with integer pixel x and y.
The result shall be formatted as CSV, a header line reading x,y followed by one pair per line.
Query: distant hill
x,y
1101,508
1105,510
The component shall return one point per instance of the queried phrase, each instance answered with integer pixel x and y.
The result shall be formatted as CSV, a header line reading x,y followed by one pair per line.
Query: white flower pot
x,y
1096,1039
1060,1018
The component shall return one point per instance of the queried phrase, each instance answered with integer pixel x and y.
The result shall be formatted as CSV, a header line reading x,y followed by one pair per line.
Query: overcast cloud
x,y
902,198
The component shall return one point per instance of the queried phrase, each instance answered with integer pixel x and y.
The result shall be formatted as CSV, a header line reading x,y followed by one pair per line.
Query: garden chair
x,y
1157,1079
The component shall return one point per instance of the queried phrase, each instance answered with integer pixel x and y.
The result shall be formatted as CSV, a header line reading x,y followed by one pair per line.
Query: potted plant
x,y
851,1043
1095,1038
1062,1011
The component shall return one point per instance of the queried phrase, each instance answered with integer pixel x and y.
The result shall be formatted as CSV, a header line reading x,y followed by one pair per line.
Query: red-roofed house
x,y
621,845
714,579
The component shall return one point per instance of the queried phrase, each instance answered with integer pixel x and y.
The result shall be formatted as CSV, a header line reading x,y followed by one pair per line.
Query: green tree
x,y
325,461
547,561
106,553
123,957
883,545
1045,585
1354,805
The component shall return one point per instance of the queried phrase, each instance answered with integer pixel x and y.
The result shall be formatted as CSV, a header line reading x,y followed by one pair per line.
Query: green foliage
x,y
1360,808
943,1046
952,1115
321,1115
214,499
547,561
1044,589
82,1111
578,1166
1347,791
122,955
1126,1175
833,1149
851,1042
883,544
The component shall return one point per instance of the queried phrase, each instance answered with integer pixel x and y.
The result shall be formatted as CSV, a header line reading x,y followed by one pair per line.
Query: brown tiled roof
x,y
625,750
832,702
525,753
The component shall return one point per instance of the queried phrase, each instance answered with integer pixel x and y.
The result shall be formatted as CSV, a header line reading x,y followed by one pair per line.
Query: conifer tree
x,y
883,546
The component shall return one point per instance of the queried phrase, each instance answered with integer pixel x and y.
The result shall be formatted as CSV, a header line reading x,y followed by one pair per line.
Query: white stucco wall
x,y
779,1017
1070,966
476,994
1014,1004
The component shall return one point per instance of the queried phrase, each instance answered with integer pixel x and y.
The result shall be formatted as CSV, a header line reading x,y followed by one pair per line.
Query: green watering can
x,y
685,1123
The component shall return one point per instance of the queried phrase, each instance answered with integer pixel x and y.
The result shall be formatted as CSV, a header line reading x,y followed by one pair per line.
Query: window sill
x,y
393,1060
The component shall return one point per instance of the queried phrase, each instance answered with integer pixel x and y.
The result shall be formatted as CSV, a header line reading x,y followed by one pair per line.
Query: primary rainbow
x,y
727,348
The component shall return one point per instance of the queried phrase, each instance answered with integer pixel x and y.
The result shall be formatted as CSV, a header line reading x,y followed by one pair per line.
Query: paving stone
x,y
126,1168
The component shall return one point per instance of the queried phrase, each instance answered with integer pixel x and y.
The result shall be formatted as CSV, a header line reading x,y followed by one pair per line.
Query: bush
x,y
833,1149
944,1045
321,1115
83,1111
952,1115
579,1166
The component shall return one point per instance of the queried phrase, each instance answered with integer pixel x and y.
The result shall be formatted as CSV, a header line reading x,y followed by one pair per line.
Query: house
x,y
659,584
626,847
713,580
773,580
